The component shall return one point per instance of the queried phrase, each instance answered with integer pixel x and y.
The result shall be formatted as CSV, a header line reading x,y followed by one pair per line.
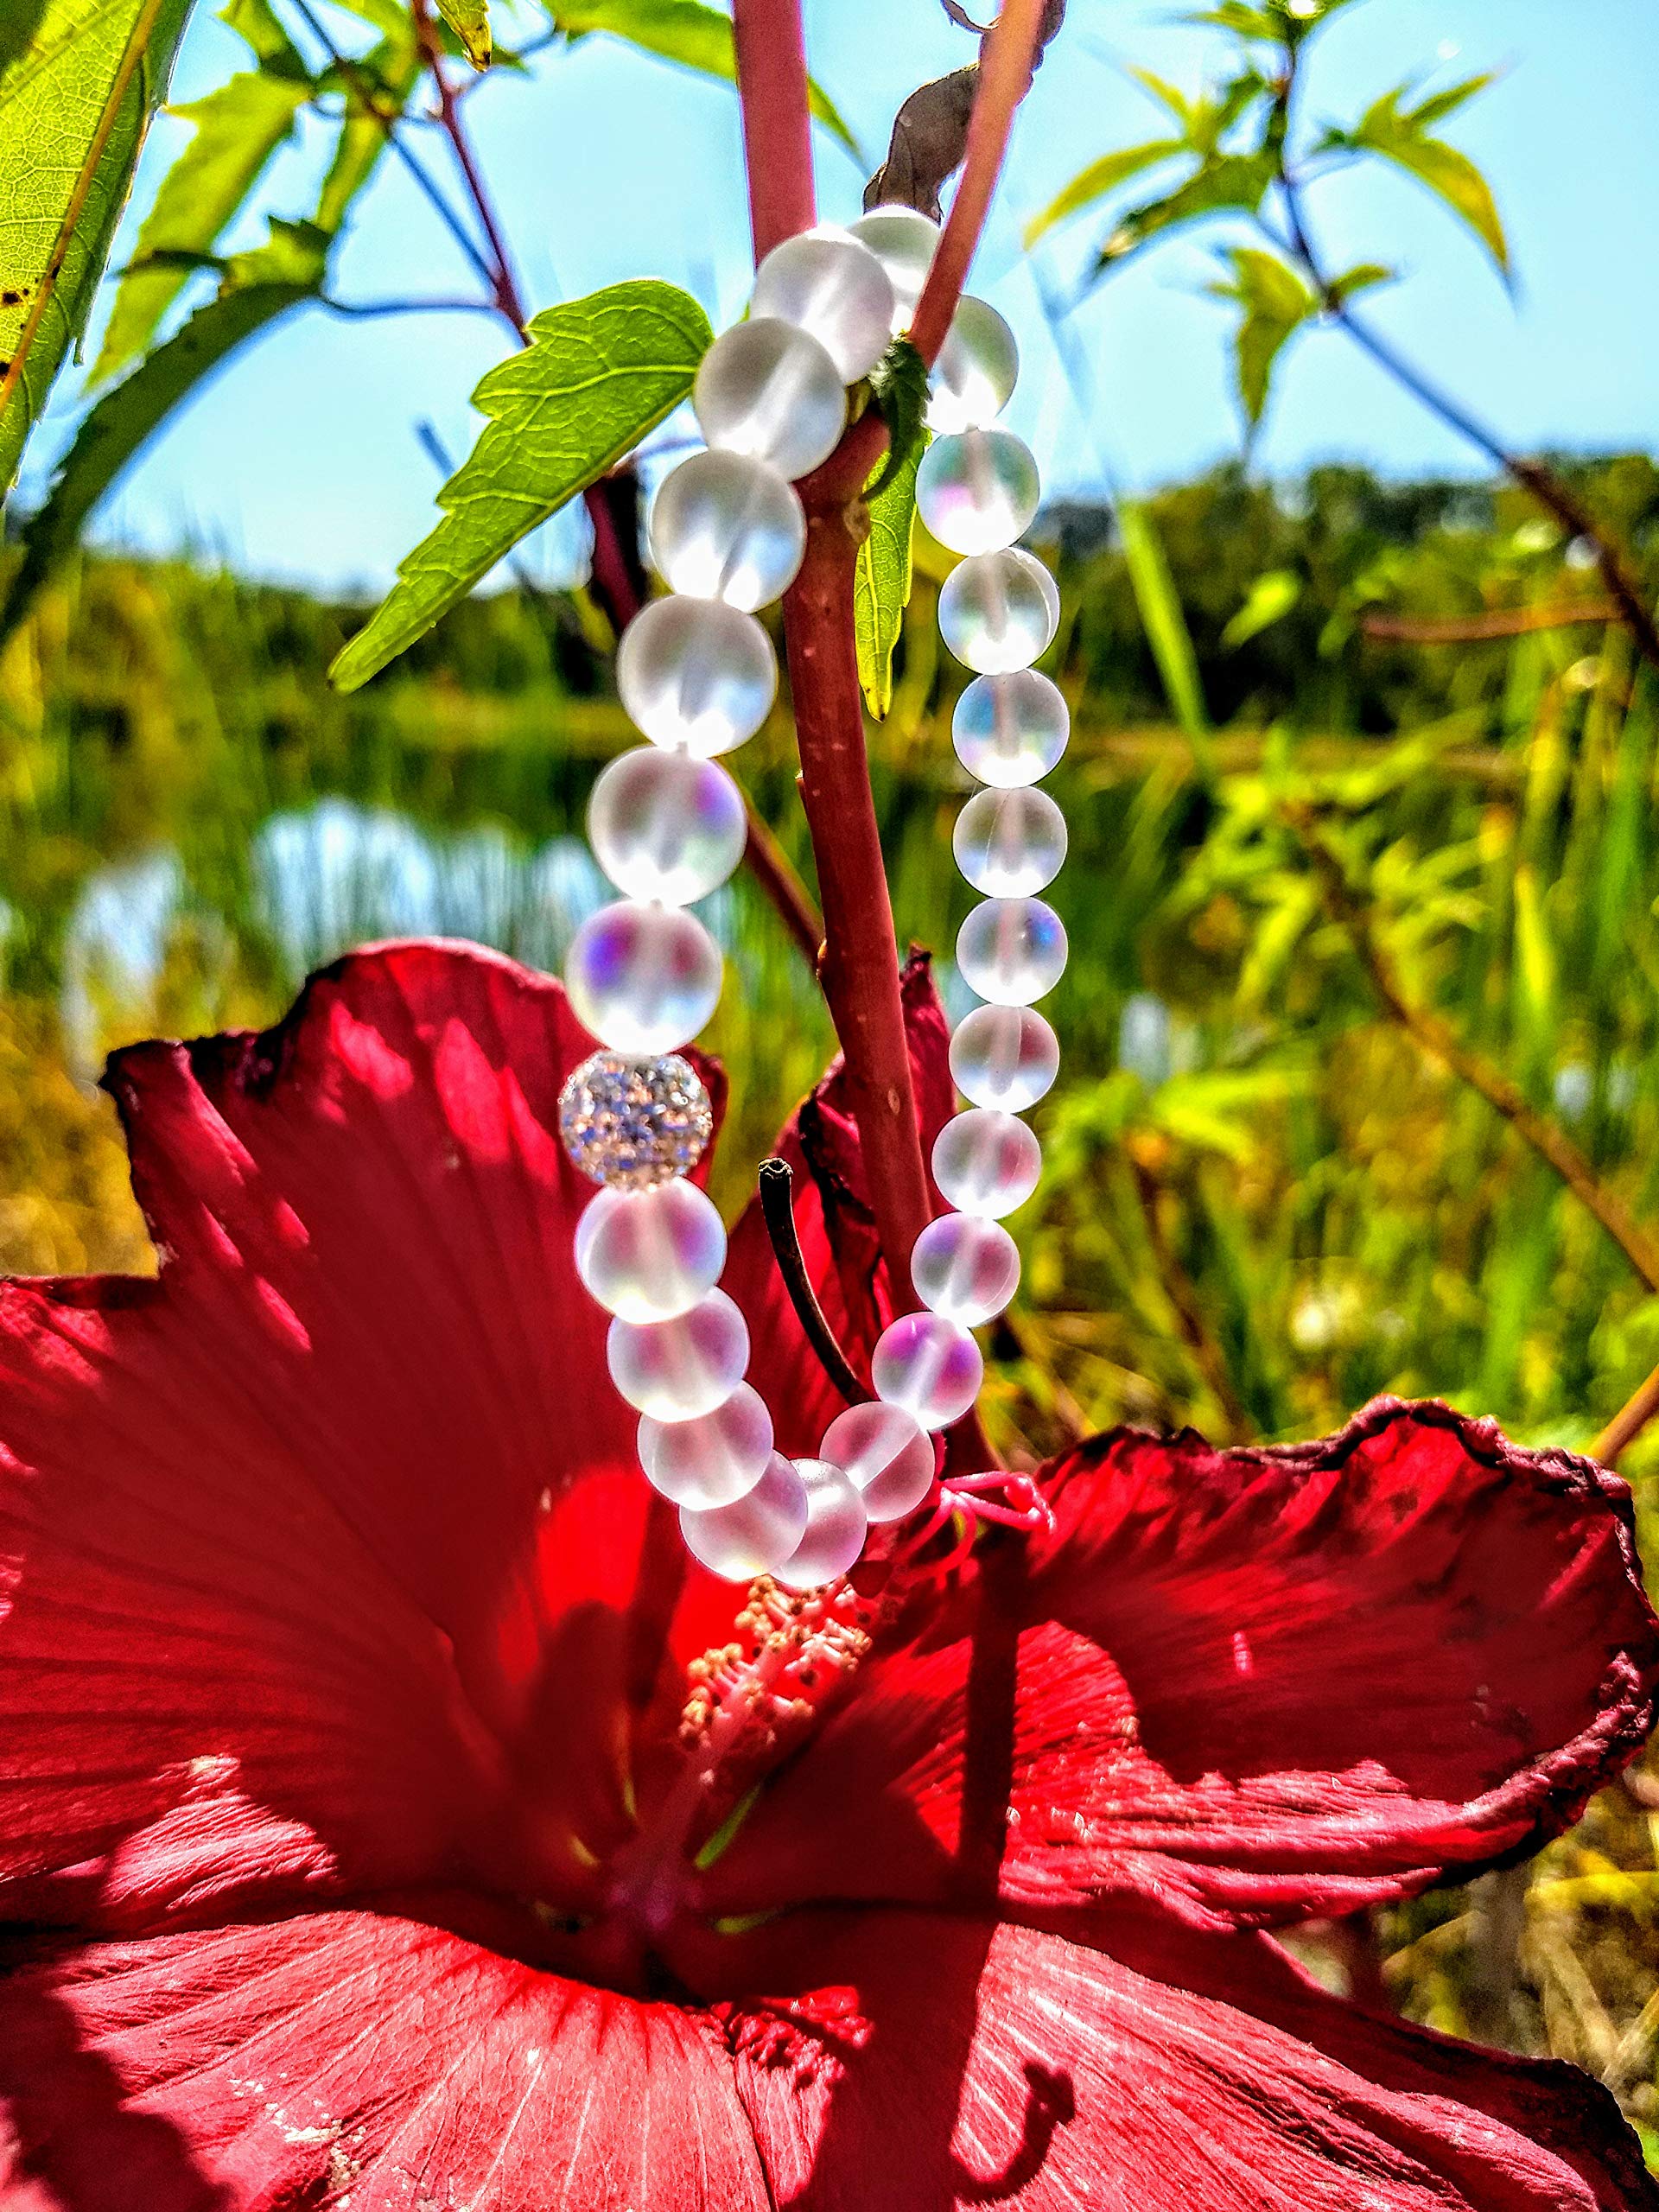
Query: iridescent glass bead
x,y
978,490
965,1267
1004,1056
725,526
754,1534
929,1366
1010,730
836,1525
986,1163
675,1371
769,390
649,1255
973,378
888,1456
713,1460
666,826
696,673
998,611
828,282
904,241
1012,950
643,979
1010,843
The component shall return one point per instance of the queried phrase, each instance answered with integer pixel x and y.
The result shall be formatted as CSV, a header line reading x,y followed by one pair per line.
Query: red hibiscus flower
x,y
342,1668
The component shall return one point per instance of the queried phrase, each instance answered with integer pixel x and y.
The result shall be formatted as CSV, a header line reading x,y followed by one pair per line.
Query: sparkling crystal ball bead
x,y
978,367
725,526
1010,843
1012,950
756,1532
904,241
829,284
986,1163
713,1460
1010,730
631,1124
928,1366
1004,1056
770,391
695,673
666,826
675,1371
888,1457
836,1525
978,490
644,979
649,1255
998,611
965,1267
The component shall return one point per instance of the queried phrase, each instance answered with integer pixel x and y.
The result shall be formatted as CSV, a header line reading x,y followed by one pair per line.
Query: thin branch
x,y
503,284
778,1211
1475,629
371,308
1628,1423
775,873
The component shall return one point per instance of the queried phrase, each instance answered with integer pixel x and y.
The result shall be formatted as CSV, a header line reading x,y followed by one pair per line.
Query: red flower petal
x,y
1256,1685
345,2057
953,2063
324,1559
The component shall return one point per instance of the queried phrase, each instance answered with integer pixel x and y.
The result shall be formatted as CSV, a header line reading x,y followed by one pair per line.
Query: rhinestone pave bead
x,y
633,1122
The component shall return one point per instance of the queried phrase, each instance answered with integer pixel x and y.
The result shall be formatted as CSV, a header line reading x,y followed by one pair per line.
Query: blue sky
x,y
301,462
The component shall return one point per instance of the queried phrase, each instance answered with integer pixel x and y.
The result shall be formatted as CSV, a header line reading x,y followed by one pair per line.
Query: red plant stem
x,y
771,90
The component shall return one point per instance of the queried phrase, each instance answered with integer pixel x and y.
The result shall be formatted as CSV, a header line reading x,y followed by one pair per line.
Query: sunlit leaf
x,y
882,580
1167,95
1233,16
1230,181
387,74
1162,618
73,110
1276,303
899,390
237,127
597,375
1270,598
1099,179
1397,136
1439,105
1361,278
18,23
684,31
470,22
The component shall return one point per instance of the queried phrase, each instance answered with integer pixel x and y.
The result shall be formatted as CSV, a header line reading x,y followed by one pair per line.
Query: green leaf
x,y
1439,105
259,287
596,376
882,579
1233,16
470,22
1276,303
1229,180
1361,278
683,31
1166,625
238,128
19,21
73,110
1167,95
388,72
1453,178
898,388
1099,179
1270,599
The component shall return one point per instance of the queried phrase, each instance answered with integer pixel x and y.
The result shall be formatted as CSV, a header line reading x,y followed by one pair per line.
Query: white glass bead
x,y
629,1122
888,1457
978,367
836,1525
998,611
713,1460
769,390
1010,843
727,527
929,1366
696,673
904,241
643,979
986,1163
666,825
828,282
676,1369
1011,730
1004,1056
965,1267
979,490
1012,950
649,1255
754,1534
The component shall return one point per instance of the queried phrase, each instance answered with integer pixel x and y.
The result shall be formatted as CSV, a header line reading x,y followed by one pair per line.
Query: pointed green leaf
x,y
388,74
899,390
1360,278
73,110
882,580
1439,105
685,31
1167,95
1165,624
470,22
1099,179
1229,180
1276,302
596,376
1452,177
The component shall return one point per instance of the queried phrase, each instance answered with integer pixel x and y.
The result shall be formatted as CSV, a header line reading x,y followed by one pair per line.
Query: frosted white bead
x,y
1004,1056
727,527
768,389
836,1525
828,282
986,1163
965,1267
1011,730
978,365
1010,843
998,611
1011,950
713,1460
695,673
649,1255
903,240
676,1369
888,1456
929,1366
643,979
979,490
756,1532
666,825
